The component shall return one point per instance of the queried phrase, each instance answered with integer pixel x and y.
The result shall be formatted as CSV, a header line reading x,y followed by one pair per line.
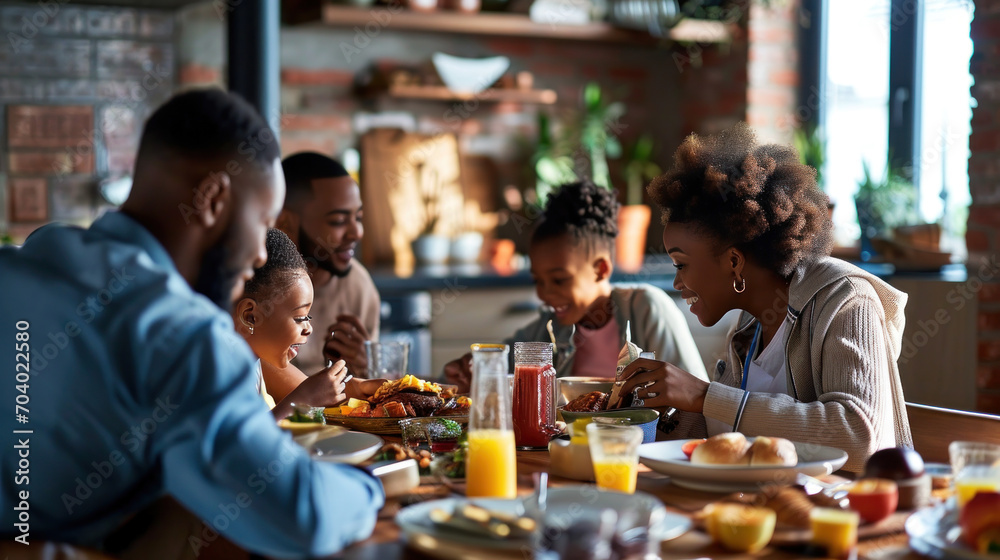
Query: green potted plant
x,y
597,132
810,142
552,165
634,216
883,204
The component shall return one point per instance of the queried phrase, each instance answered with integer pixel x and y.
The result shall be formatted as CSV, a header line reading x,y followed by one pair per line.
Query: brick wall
x,y
773,70
75,85
670,92
983,236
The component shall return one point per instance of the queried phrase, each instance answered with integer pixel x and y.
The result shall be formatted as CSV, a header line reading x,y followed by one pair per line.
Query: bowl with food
x,y
571,388
308,426
645,418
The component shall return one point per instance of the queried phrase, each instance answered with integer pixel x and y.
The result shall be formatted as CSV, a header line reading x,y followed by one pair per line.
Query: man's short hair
x,y
302,169
209,125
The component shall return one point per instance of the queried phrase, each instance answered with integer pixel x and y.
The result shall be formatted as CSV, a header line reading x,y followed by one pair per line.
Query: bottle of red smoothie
x,y
534,400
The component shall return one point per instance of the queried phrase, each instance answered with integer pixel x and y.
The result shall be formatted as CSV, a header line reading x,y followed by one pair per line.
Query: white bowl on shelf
x,y
469,75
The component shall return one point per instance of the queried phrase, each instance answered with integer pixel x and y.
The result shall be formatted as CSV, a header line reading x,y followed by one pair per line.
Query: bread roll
x,y
722,449
773,451
791,505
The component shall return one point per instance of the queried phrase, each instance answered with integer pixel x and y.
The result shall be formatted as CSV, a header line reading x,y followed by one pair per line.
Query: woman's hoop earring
x,y
743,286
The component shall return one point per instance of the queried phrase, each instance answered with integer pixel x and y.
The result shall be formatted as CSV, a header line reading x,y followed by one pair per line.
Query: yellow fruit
x,y
740,528
356,403
835,530
345,410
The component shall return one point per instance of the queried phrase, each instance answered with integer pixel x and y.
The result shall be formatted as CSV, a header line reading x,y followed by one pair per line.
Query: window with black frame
x,y
892,82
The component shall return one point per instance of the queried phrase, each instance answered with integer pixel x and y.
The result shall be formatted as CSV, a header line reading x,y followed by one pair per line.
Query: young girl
x,y
273,317
813,357
572,251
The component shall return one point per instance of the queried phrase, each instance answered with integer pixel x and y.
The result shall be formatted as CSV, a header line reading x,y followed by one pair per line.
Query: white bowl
x,y
469,75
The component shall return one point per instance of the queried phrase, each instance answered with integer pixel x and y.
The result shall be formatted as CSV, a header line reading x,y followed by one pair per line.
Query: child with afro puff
x,y
813,355
572,251
273,317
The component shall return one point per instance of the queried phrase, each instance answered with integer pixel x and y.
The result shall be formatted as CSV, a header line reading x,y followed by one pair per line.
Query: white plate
x,y
350,447
934,532
564,505
666,457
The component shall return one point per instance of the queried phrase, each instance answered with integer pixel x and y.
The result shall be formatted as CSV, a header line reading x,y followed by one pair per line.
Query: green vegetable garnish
x,y
307,414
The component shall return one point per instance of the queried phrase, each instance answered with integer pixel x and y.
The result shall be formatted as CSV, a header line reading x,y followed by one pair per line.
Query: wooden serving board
x,y
792,536
380,426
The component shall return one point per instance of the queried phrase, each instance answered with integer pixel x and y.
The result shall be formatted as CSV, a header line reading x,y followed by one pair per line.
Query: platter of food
x,y
939,531
408,397
730,462
781,516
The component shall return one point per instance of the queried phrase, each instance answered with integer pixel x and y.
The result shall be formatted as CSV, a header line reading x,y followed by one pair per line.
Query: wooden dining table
x,y
387,541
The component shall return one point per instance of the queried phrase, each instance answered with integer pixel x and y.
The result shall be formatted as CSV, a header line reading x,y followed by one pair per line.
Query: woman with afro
x,y
813,355
572,256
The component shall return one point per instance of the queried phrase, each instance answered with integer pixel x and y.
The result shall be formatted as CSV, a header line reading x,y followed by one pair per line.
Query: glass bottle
x,y
534,394
490,468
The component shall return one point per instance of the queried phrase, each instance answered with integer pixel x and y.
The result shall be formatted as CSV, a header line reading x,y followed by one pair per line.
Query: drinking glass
x,y
614,450
974,466
490,469
387,360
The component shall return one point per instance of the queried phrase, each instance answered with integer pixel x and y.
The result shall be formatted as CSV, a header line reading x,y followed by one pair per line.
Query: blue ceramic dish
x,y
645,418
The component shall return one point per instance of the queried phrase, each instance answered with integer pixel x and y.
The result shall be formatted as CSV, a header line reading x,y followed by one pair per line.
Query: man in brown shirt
x,y
322,215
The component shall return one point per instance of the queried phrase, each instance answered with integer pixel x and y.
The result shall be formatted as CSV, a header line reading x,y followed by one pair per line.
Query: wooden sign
x,y
50,126
28,200
410,185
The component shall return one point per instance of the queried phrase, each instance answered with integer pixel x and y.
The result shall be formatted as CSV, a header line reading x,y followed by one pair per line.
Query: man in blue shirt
x,y
130,381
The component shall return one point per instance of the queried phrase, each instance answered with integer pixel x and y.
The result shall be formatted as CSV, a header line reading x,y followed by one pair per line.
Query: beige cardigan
x,y
841,354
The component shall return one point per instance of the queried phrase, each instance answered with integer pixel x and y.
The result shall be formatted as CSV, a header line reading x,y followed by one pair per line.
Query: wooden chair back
x,y
934,428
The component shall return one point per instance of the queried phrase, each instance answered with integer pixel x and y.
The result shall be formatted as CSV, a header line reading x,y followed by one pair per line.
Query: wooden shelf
x,y
514,25
442,93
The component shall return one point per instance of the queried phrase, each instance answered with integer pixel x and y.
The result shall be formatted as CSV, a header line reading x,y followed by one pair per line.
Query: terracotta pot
x,y
630,247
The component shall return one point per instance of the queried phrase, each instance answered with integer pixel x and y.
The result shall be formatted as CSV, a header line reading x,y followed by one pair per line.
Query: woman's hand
x,y
664,385
459,372
345,340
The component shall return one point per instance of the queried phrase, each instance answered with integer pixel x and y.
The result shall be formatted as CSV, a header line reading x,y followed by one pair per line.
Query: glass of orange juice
x,y
614,451
490,466
975,467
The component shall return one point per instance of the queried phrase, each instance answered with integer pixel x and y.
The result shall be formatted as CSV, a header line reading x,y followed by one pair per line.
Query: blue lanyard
x,y
746,364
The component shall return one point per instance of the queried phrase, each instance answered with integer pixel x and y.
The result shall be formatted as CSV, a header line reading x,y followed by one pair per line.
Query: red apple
x,y
688,447
873,498
979,515
894,463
